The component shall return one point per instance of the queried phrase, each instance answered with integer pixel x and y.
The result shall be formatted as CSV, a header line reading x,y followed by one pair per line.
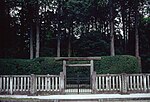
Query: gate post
x,y
93,82
64,67
61,83
92,67
0,83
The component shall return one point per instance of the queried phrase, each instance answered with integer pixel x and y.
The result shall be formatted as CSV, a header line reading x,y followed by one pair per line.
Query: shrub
x,y
14,66
146,64
117,64
43,65
48,65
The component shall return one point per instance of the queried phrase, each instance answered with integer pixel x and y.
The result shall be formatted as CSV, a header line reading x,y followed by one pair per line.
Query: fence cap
x,y
76,58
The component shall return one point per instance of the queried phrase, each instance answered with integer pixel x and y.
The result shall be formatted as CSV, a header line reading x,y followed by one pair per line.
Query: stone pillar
x,y
33,89
11,85
62,83
93,82
145,86
124,84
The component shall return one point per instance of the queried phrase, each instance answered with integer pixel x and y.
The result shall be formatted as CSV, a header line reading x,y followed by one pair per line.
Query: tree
x,y
136,30
112,48
5,19
37,30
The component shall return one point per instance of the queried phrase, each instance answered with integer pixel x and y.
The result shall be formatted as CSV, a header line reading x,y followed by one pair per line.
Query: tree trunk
x,y
37,54
137,53
31,42
59,29
112,49
58,46
124,26
69,44
3,27
37,40
136,34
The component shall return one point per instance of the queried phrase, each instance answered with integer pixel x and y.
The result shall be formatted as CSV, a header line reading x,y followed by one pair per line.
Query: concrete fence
x,y
55,84
31,84
120,83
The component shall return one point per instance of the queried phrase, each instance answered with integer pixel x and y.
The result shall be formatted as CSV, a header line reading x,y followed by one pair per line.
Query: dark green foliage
x,y
92,44
14,66
117,64
43,65
146,64
47,65
145,36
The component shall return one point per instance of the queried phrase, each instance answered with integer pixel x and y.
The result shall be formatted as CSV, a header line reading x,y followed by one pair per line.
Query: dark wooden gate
x,y
78,84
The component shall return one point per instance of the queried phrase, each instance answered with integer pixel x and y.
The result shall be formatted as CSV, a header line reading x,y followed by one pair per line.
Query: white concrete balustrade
x,y
10,84
112,83
122,83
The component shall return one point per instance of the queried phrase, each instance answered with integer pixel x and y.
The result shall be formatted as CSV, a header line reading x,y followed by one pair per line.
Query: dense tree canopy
x,y
33,28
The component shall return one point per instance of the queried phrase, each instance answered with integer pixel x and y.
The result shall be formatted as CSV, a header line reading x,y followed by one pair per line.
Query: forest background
x,y
59,28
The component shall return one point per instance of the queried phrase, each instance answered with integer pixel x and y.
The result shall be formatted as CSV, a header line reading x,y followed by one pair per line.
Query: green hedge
x,y
146,64
117,64
47,65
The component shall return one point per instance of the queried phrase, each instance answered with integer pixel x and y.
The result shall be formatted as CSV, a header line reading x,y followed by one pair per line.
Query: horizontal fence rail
x,y
31,84
108,82
54,84
138,82
123,83
14,83
48,83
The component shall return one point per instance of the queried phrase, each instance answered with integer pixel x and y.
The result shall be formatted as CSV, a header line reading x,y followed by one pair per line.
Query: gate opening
x,y
78,80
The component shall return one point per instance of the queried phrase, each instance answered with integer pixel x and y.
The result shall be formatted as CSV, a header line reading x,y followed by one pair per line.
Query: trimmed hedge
x,y
47,65
146,64
117,64
42,65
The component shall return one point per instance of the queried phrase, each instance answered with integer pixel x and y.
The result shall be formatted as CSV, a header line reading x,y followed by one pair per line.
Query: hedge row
x,y
41,65
146,64
117,64
48,65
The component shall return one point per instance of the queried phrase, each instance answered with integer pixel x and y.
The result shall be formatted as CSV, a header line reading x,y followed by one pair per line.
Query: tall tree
x,y
137,53
112,48
59,27
30,27
136,30
37,54
31,42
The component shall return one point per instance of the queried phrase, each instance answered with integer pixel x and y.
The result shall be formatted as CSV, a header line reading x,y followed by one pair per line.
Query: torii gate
x,y
65,59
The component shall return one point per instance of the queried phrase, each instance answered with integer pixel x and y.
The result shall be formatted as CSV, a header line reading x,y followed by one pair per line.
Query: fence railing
x,y
54,84
31,84
123,83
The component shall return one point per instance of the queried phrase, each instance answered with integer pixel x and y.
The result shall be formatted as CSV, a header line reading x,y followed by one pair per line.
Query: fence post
x,y
94,82
108,87
11,85
0,83
145,86
62,82
91,67
124,83
33,88
64,67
